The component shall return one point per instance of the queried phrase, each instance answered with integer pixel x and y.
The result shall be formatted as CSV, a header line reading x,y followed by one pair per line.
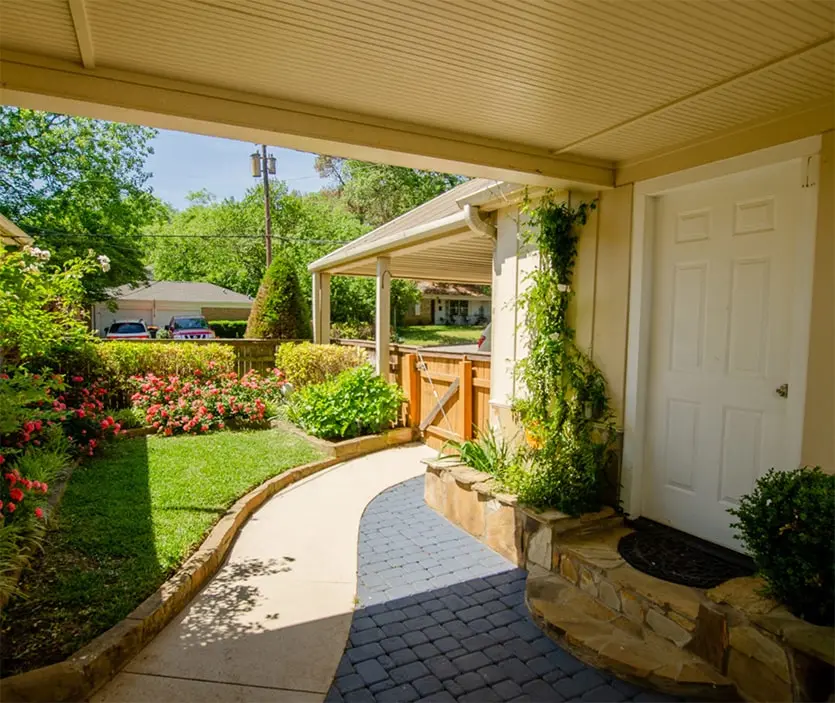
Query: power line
x,y
143,235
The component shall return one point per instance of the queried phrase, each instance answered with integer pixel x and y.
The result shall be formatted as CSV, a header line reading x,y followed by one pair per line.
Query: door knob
x,y
782,391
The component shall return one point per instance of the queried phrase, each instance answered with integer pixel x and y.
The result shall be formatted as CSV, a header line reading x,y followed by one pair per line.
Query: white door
x,y
720,341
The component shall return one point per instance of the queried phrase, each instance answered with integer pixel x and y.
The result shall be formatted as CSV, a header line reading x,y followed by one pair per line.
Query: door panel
x,y
722,294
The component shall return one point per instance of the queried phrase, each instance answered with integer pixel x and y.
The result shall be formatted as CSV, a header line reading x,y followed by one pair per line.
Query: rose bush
x,y
207,401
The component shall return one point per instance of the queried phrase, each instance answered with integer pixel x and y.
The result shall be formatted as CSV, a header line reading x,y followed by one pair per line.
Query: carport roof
x,y
430,242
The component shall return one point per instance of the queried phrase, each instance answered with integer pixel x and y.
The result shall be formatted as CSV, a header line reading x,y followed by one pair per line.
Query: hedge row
x,y
229,329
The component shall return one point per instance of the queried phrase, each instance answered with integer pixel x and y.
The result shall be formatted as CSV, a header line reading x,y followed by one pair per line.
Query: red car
x,y
190,327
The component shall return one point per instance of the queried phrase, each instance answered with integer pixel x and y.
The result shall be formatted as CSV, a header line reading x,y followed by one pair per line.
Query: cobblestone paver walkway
x,y
442,618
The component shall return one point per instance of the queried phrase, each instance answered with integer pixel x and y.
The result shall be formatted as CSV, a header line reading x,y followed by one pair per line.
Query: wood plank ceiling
x,y
605,79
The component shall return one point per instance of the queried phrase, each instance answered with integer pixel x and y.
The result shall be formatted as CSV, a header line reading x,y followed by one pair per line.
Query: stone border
x,y
91,667
733,630
348,448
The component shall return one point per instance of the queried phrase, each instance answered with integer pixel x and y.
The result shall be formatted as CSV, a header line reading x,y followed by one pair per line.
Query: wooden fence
x,y
448,393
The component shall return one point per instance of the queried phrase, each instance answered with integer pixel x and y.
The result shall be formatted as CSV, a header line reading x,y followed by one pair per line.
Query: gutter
x,y
476,224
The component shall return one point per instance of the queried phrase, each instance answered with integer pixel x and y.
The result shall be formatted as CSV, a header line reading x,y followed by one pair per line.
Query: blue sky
x,y
183,162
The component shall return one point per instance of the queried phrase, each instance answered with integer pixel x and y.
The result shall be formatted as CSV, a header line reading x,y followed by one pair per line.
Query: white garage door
x,y
719,359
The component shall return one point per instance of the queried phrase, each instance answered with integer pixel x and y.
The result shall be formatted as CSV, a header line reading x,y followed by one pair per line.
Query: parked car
x,y
127,329
189,327
484,339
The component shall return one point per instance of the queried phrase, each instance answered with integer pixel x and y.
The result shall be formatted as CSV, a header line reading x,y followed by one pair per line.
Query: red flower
x,y
11,507
39,513
1,504
16,494
2,459
77,379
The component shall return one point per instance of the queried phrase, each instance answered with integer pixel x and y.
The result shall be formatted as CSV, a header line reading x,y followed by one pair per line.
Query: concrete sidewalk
x,y
273,623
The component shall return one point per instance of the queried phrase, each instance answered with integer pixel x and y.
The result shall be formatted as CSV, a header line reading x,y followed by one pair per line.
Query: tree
x,y
79,184
280,310
377,193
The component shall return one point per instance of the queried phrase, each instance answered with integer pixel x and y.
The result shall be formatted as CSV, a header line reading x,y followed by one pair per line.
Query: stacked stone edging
x,y
767,652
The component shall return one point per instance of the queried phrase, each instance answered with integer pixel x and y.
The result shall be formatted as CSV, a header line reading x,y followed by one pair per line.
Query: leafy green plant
x,y
228,329
306,364
565,409
788,525
356,402
42,309
489,452
280,310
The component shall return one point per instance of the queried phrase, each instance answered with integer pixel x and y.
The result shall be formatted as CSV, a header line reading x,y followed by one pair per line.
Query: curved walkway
x,y
441,617
271,625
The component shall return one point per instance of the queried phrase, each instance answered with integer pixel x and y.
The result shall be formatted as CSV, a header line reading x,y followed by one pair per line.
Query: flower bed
x,y
206,401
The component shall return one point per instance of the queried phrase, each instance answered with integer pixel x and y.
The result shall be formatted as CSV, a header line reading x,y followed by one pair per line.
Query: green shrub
x,y
129,418
306,364
126,359
352,330
280,310
788,525
356,402
228,329
489,453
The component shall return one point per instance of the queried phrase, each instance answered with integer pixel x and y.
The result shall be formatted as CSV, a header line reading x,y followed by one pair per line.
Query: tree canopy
x,y
377,193
79,184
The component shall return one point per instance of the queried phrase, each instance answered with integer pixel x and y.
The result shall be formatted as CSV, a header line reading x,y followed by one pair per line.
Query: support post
x,y
321,308
413,388
383,316
466,398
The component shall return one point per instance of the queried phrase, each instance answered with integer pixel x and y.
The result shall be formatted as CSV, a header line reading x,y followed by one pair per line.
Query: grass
x,y
428,335
129,518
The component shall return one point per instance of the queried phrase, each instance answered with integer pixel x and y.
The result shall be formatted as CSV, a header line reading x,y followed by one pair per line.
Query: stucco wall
x,y
819,428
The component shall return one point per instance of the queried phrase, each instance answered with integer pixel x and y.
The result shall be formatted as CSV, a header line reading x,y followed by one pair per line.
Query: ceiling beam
x,y
49,84
81,23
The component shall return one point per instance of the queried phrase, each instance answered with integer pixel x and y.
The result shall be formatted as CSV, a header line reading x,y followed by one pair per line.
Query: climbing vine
x,y
565,411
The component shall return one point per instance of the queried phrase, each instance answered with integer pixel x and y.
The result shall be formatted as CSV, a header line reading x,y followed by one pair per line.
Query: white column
x,y
325,307
321,308
383,316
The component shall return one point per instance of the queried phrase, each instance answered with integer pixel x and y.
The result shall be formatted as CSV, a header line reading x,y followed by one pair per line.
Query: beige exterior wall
x,y
819,428
600,309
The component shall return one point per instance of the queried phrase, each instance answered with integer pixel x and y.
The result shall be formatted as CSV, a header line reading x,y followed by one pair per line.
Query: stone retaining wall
x,y
767,652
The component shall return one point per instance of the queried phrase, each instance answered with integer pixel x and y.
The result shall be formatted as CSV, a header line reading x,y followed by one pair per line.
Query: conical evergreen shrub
x,y
280,310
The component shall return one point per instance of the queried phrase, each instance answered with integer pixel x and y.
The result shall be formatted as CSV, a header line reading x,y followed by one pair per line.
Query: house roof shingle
x,y
185,291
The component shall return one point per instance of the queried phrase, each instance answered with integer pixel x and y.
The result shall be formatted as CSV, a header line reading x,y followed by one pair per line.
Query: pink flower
x,y
39,513
77,379
16,494
11,507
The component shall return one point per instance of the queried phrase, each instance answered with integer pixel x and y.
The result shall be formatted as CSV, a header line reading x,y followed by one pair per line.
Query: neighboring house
x,y
705,296
450,303
157,302
11,234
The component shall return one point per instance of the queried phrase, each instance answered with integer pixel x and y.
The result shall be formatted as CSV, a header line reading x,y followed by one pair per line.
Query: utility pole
x,y
263,165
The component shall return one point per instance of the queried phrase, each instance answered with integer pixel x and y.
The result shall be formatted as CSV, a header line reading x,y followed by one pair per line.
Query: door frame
x,y
639,326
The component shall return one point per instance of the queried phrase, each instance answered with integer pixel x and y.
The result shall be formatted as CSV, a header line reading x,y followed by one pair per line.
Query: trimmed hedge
x,y
306,364
126,359
229,329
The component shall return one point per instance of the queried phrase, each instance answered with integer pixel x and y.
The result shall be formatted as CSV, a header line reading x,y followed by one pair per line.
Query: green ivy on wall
x,y
565,410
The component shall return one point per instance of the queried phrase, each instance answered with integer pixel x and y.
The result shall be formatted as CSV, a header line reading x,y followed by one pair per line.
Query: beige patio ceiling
x,y
537,91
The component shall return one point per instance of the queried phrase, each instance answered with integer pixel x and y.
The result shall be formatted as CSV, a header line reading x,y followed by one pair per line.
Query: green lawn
x,y
129,518
430,335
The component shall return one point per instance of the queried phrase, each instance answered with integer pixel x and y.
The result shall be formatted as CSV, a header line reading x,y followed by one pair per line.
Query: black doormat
x,y
674,556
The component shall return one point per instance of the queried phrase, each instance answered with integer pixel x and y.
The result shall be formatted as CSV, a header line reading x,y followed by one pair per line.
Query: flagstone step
x,y
604,638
